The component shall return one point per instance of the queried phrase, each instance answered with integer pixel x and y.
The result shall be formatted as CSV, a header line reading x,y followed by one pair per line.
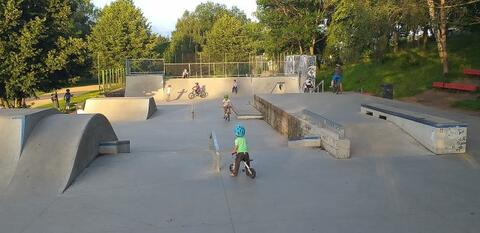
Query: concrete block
x,y
312,142
114,147
439,135
331,142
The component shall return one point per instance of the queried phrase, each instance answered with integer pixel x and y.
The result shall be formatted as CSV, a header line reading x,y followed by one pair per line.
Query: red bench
x,y
471,72
438,85
455,86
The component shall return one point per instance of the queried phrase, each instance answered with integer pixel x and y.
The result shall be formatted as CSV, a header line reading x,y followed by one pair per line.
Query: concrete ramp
x,y
122,108
218,87
381,139
15,128
145,85
57,151
244,110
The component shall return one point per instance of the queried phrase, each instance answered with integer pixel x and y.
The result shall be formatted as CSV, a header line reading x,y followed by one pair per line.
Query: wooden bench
x,y
455,86
471,72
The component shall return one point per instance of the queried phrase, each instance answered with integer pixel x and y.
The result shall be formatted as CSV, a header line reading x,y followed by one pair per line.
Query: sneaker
x,y
232,175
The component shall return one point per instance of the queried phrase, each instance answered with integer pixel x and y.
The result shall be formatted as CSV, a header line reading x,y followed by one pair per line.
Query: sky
x,y
163,14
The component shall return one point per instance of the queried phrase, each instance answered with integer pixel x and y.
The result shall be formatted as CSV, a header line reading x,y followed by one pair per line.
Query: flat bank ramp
x,y
144,85
382,139
122,108
245,111
57,151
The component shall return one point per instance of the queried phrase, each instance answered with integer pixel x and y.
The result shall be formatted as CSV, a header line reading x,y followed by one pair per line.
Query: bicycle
x,y
249,171
201,93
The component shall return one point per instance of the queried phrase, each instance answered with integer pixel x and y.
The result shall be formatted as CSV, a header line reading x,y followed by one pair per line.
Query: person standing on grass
x,y
67,97
55,101
235,87
169,89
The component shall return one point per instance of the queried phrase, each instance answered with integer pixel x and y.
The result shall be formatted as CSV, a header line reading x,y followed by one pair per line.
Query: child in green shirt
x,y
240,150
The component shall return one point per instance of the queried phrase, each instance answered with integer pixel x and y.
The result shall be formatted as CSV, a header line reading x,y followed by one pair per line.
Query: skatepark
x,y
324,162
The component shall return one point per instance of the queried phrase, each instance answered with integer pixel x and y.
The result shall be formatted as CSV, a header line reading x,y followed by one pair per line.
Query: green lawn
x,y
75,100
411,71
468,104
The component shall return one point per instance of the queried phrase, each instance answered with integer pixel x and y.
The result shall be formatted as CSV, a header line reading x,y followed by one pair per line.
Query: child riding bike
x,y
337,83
240,150
196,89
227,105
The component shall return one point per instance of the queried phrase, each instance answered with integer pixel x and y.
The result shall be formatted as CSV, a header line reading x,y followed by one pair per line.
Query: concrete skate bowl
x,y
218,87
58,149
122,108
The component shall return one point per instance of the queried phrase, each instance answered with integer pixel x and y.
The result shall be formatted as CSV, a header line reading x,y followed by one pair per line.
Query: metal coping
x,y
322,122
114,143
213,138
416,119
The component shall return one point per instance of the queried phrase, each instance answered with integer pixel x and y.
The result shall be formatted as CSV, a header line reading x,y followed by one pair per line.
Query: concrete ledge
x,y
298,128
311,142
439,135
122,108
114,147
331,142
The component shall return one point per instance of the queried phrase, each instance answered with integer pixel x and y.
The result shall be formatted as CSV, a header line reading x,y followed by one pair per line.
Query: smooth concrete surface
x,y
300,124
144,85
244,110
218,87
439,135
166,183
122,108
15,128
307,142
58,149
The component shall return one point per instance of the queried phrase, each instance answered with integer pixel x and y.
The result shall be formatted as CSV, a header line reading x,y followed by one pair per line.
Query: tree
x,y
161,45
37,48
360,29
438,16
228,40
121,32
294,25
454,13
191,30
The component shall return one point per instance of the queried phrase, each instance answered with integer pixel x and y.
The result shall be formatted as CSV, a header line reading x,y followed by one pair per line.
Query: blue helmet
x,y
239,131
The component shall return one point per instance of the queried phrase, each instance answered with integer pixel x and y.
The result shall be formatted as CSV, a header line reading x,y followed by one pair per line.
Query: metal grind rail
x,y
322,122
213,144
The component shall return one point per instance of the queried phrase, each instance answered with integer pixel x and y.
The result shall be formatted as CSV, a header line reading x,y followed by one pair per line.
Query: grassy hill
x,y
413,70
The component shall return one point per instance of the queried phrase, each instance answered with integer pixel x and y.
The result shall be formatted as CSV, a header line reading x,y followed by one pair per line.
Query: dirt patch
x,y
443,99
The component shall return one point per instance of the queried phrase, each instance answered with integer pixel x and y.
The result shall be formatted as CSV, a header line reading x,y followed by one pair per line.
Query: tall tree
x,y
438,16
450,13
360,29
121,32
294,25
229,40
37,48
161,45
191,30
